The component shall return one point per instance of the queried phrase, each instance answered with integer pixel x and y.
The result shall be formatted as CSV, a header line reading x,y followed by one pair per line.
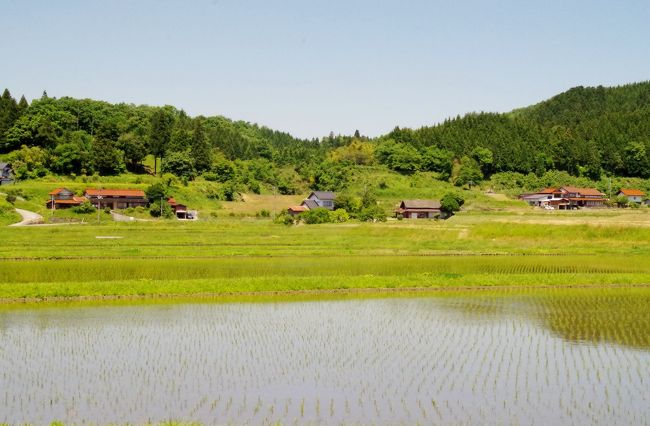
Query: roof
x,y
420,204
74,200
310,204
55,191
632,192
583,191
115,192
298,209
323,195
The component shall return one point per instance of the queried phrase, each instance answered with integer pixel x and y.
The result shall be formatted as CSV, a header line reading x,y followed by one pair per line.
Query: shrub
x,y
451,202
155,210
84,208
210,176
372,214
339,215
285,218
315,216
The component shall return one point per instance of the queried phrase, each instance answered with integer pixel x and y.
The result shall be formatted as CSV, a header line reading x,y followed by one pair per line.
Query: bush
x,y
210,176
167,211
315,216
84,208
11,198
285,218
339,215
264,213
451,202
372,214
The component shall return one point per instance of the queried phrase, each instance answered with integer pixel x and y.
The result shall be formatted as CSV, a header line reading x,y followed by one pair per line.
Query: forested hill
x,y
84,136
587,132
584,131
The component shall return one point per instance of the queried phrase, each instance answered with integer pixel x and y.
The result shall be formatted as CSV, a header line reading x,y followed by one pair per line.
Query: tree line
x,y
585,132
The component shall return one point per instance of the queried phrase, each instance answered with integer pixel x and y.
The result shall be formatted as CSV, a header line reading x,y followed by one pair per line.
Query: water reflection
x,y
481,359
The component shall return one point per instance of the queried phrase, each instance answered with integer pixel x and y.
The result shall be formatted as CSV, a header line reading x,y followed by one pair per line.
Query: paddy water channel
x,y
539,357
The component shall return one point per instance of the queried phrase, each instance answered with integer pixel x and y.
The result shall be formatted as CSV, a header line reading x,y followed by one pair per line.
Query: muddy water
x,y
572,357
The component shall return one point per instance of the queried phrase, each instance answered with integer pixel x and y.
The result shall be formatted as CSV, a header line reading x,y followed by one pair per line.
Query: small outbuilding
x,y
296,210
419,209
632,195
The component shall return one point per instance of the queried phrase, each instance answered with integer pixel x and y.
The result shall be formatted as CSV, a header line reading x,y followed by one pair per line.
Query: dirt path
x,y
29,218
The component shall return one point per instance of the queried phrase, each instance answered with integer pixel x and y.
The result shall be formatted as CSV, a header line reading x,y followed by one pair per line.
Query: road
x,y
29,218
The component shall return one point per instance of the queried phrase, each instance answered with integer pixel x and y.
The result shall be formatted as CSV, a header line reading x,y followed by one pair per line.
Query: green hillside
x,y
584,136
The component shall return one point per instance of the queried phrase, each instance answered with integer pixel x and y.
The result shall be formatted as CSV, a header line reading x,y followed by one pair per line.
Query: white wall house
x,y
632,195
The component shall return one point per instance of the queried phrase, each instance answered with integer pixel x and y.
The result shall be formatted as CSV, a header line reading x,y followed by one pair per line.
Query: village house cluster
x,y
407,209
114,199
569,197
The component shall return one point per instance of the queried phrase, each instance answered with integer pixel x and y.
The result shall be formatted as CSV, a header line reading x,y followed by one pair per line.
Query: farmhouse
x,y
632,195
63,198
419,209
320,199
117,198
566,197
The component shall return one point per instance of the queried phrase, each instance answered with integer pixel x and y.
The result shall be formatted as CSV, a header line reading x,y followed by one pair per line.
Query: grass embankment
x,y
249,256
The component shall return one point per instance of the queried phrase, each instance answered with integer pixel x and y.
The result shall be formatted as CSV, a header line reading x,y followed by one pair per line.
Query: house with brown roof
x,y
63,198
117,198
566,197
419,209
632,195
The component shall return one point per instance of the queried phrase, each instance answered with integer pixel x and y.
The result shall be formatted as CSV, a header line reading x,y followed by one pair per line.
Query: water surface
x,y
561,357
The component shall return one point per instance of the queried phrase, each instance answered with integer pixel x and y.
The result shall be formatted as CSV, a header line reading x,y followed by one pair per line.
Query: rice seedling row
x,y
492,358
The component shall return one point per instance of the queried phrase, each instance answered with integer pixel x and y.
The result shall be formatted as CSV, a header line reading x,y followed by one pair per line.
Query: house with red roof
x,y
632,195
565,198
63,198
117,198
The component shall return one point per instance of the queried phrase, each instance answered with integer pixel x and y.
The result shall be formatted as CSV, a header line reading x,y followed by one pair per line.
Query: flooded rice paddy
x,y
553,357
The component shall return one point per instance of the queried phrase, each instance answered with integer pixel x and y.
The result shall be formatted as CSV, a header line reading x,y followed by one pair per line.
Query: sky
x,y
311,67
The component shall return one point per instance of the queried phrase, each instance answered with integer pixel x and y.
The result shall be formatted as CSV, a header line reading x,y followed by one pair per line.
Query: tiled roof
x,y
310,204
115,192
583,191
420,204
323,195
55,191
298,209
632,192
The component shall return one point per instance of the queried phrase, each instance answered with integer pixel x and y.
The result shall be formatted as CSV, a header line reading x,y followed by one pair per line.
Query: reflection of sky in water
x,y
471,359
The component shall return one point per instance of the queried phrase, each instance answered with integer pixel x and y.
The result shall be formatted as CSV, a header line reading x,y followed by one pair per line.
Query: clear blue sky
x,y
314,66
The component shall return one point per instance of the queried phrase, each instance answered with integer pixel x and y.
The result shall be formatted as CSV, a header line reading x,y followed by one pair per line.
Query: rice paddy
x,y
149,259
576,356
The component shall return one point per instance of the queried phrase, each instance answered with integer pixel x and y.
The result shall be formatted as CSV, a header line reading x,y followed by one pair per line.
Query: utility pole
x,y
99,207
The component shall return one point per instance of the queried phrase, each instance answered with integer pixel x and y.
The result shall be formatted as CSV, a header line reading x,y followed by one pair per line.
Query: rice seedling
x,y
558,357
